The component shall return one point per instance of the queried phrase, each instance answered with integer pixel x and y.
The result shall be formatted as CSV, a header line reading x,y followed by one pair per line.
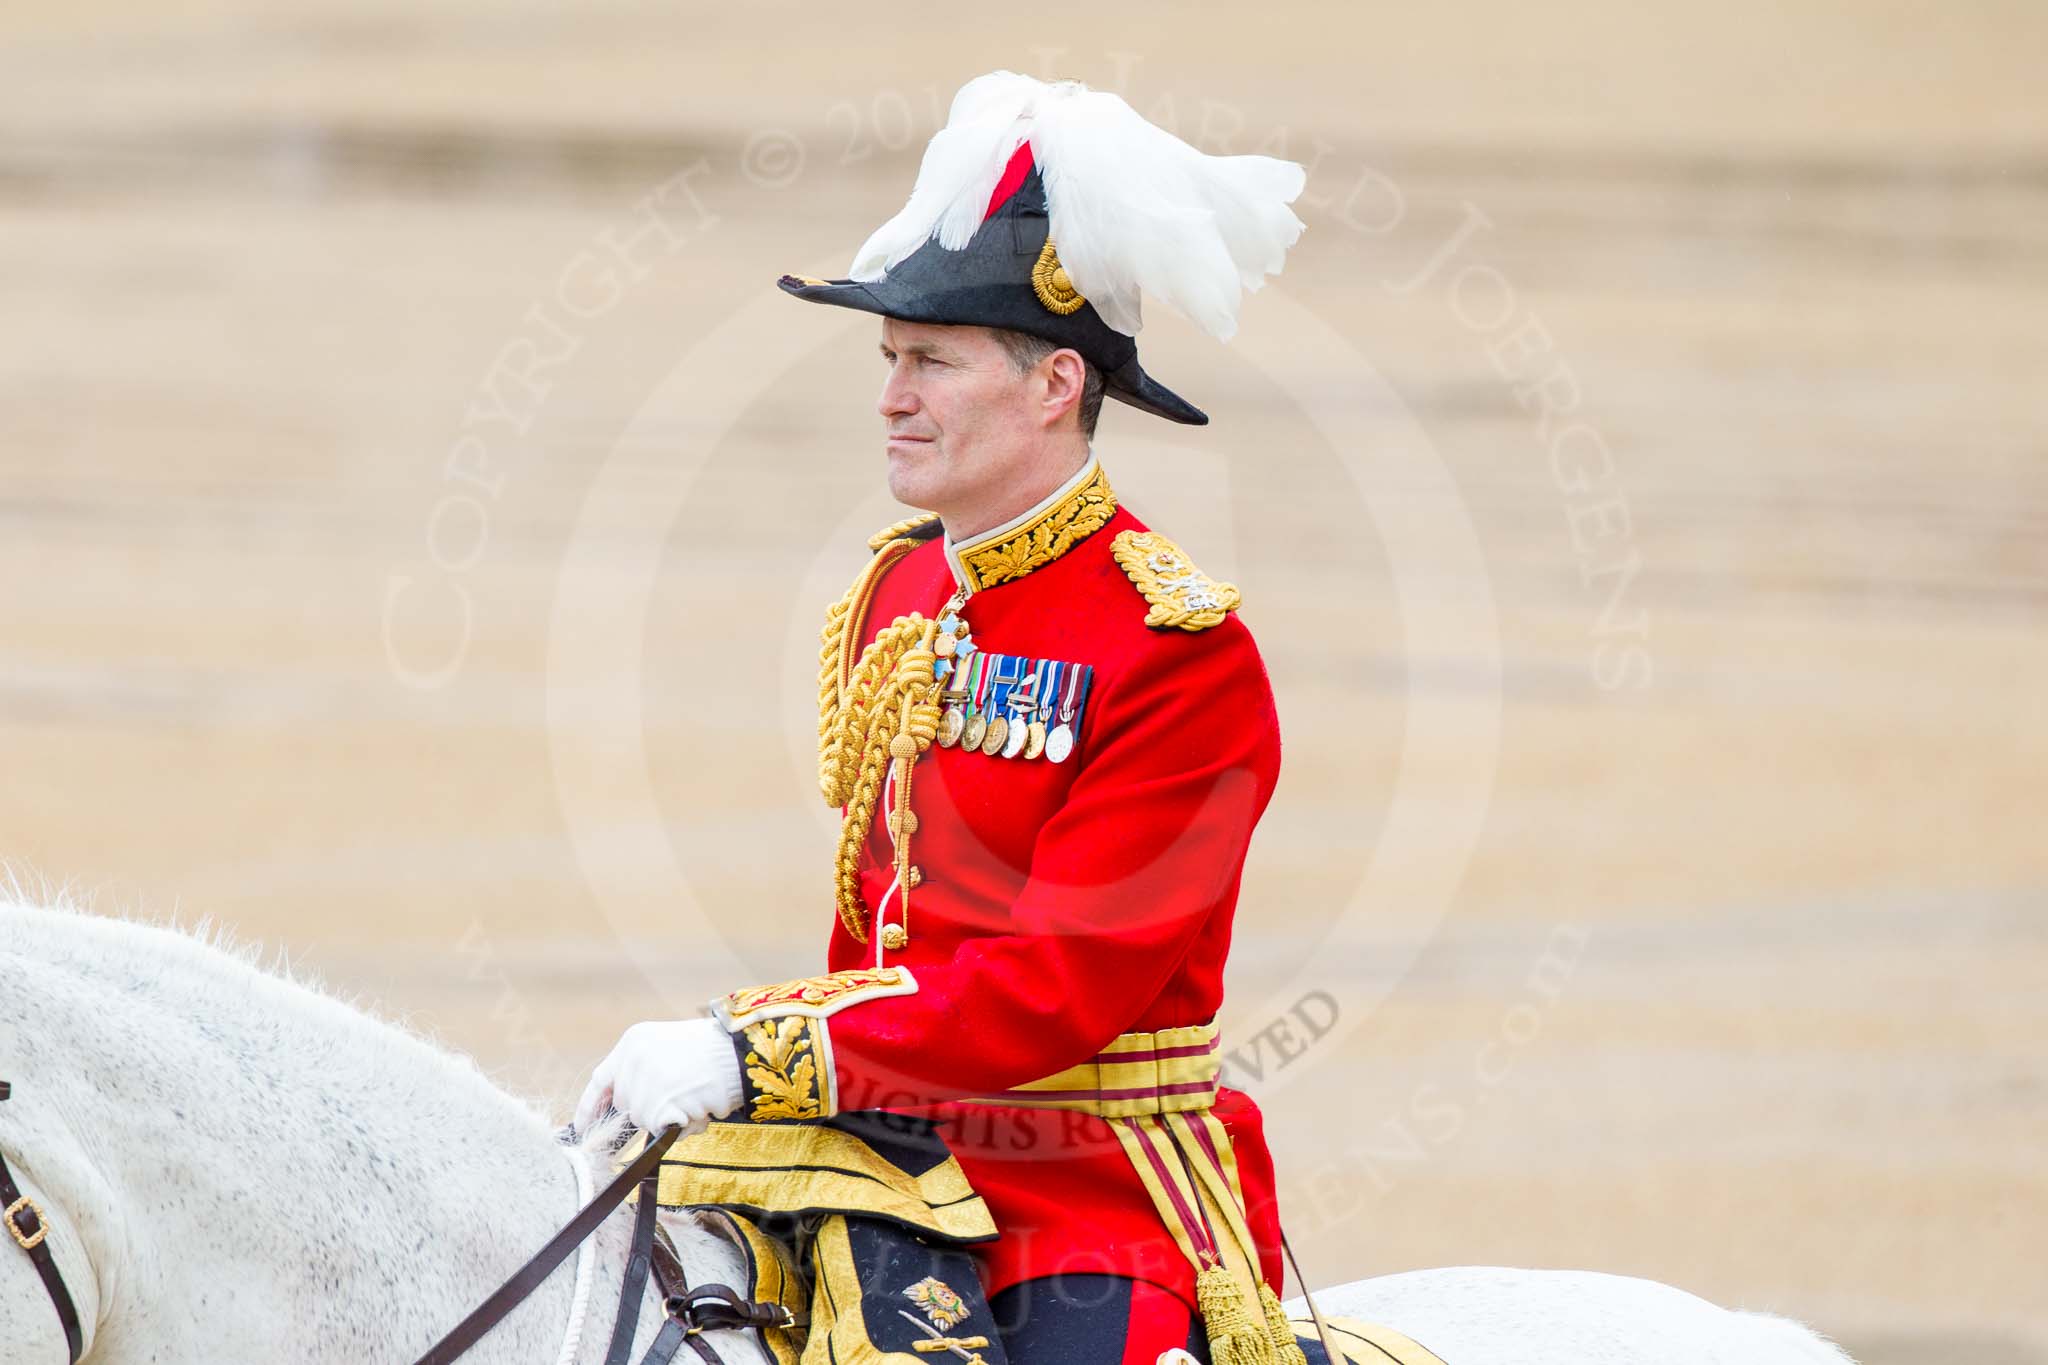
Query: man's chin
x,y
914,478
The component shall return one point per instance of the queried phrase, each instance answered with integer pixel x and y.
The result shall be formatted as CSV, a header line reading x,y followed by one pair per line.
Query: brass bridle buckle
x,y
28,1241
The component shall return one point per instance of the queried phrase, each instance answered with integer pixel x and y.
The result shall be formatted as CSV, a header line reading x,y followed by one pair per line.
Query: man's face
x,y
958,420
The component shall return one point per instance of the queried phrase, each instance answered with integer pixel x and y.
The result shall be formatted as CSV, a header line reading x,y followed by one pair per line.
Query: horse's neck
x,y
245,1164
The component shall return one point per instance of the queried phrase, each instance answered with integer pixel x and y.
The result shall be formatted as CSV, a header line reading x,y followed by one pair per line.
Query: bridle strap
x,y
528,1277
670,1340
694,1310
30,1230
717,1308
675,1305
637,1265
687,1313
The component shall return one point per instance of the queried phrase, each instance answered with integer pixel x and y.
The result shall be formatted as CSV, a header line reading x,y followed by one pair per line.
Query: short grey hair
x,y
1026,350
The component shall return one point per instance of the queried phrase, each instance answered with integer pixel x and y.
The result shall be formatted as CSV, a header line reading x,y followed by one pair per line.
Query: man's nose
x,y
898,398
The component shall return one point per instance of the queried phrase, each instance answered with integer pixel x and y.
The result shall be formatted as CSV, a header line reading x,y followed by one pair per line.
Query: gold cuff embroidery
x,y
783,1069
1180,594
813,996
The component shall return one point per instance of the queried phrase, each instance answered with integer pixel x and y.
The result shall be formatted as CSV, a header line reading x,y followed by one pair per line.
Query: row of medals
x,y
1010,736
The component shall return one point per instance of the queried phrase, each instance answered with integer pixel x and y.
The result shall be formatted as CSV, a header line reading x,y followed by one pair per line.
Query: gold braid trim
x,y
845,624
909,526
891,714
879,708
874,710
842,733
818,997
1179,594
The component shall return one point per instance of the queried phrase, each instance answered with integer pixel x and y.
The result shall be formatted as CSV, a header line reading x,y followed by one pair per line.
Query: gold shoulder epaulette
x,y
1180,594
923,526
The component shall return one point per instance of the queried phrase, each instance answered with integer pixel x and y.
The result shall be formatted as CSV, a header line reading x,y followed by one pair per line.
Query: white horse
x,y
236,1167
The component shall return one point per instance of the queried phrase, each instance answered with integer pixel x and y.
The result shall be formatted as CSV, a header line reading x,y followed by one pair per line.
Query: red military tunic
x,y
1058,905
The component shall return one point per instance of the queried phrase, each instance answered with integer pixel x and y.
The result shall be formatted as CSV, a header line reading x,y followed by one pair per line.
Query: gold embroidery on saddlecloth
x,y
772,1276
1368,1343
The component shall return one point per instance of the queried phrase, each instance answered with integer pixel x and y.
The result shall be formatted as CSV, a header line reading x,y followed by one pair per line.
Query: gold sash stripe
x,y
1207,1143
1165,1071
1202,1210
1155,1090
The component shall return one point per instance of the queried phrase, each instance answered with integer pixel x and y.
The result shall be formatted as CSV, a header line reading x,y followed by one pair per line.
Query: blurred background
x,y
417,507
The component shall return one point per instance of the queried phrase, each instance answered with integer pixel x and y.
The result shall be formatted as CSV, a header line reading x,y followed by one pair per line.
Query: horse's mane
x,y
53,922
213,945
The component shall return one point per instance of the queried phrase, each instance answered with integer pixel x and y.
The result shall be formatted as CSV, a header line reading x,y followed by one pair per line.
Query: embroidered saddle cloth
x,y
858,1224
1361,1343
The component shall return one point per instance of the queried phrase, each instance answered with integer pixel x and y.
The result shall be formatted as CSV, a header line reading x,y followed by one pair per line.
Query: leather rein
x,y
687,1312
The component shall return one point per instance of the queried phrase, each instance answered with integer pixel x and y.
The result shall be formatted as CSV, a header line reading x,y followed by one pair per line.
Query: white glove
x,y
662,1072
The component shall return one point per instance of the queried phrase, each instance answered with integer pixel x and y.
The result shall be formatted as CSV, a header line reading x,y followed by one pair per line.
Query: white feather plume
x,y
1135,211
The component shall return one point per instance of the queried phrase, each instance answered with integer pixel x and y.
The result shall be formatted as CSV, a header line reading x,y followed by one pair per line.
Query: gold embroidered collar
x,y
1074,511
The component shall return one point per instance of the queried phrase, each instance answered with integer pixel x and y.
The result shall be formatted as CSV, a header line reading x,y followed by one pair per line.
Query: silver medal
x,y
1060,743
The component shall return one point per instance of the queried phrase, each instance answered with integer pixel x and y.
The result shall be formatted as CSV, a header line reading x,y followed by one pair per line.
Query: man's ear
x,y
1066,378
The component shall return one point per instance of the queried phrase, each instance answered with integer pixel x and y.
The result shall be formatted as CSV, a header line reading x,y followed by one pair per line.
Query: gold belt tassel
x,y
1156,1089
1233,1338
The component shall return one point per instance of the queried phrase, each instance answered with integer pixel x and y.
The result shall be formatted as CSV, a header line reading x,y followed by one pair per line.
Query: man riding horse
x,y
1029,948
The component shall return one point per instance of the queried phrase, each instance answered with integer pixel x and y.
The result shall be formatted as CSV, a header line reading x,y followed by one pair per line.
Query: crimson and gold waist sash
x,y
1155,1089
1163,1071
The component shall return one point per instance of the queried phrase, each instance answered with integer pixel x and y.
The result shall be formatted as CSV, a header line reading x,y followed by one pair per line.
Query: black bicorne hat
x,y
1008,275
1056,210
